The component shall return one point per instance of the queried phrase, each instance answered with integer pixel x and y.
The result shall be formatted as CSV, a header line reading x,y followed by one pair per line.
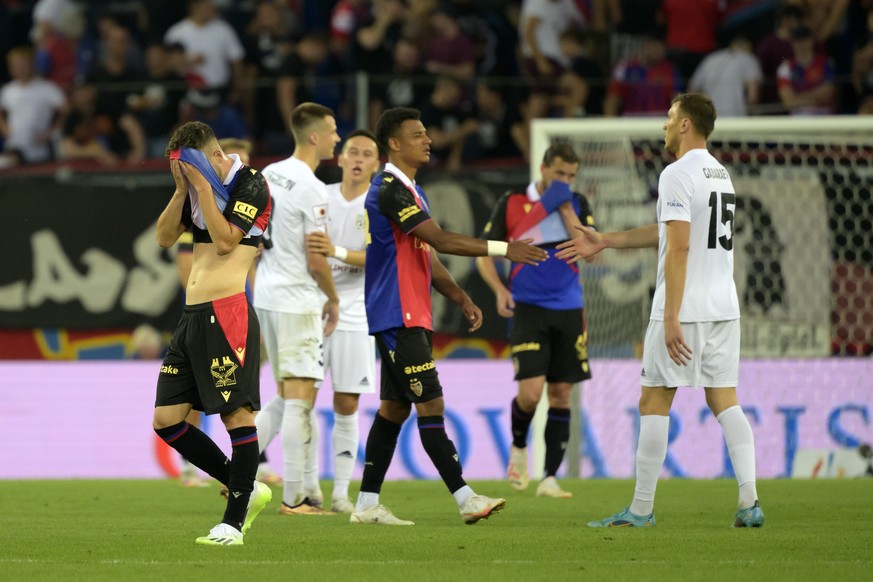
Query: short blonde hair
x,y
233,143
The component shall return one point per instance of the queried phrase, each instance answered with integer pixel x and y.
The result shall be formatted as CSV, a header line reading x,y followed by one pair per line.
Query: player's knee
x,y
528,399
435,407
394,411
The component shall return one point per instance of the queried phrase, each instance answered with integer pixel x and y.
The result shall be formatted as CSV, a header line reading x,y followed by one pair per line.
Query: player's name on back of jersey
x,y
717,173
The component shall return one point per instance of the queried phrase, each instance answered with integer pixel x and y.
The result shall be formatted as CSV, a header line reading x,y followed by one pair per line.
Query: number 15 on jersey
x,y
723,203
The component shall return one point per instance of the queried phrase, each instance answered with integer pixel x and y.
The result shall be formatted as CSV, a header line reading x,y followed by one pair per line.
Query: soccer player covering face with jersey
x,y
693,338
213,361
400,271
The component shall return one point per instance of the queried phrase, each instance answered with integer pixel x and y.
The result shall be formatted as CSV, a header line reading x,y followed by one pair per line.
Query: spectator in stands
x,y
449,51
345,19
691,28
212,48
48,17
731,77
113,74
862,69
499,128
309,74
31,109
376,36
582,86
207,107
269,42
823,17
58,49
449,121
540,26
806,80
643,85
406,86
632,22
774,49
95,134
157,106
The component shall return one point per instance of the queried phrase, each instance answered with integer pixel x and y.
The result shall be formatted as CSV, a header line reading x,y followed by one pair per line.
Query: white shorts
x,y
294,343
715,356
351,358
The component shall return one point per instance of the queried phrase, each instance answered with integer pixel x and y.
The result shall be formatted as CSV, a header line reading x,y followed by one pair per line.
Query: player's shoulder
x,y
388,184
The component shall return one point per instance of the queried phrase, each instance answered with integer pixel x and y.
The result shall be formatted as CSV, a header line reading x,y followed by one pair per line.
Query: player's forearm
x,y
454,243
569,217
169,226
675,265
488,272
637,238
355,258
223,235
319,270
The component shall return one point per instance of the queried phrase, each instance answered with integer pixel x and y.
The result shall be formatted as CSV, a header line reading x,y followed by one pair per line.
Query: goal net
x,y
803,247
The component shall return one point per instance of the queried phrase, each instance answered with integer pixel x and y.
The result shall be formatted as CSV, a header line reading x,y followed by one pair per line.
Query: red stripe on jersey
x,y
413,279
264,218
232,314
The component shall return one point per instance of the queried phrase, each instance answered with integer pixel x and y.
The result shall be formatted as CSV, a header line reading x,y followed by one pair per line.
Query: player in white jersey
x,y
693,338
288,296
350,352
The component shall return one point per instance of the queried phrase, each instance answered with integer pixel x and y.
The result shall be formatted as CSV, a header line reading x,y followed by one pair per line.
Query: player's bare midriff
x,y
215,276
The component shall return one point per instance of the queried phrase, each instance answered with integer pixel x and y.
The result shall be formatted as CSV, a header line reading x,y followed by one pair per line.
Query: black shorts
x,y
214,358
408,370
549,342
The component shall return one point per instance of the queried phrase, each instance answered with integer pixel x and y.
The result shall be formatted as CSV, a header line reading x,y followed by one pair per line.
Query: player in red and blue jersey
x,y
213,361
549,342
400,272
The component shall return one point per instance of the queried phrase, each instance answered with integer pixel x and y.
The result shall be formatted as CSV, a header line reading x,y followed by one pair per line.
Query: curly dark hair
x,y
193,134
390,121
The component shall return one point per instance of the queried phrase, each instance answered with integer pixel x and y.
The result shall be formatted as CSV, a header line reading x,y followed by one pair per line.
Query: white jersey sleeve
x,y
698,189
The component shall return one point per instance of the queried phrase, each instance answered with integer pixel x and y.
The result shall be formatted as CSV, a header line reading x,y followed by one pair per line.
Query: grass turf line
x,y
145,530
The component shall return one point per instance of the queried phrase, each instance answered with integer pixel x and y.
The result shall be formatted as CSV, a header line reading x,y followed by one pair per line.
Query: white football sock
x,y
741,447
463,494
310,473
268,421
366,500
295,438
345,451
651,452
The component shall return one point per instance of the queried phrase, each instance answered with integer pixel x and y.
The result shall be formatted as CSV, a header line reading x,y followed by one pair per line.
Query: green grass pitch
x,y
145,530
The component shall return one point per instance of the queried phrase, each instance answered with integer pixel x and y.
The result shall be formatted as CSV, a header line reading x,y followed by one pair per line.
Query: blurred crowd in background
x,y
108,80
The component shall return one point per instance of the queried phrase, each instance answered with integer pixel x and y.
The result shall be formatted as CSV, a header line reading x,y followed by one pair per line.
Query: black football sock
x,y
557,434
199,449
243,466
381,443
520,425
441,450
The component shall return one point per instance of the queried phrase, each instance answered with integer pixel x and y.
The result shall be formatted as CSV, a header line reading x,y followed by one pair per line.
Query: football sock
x,y
310,471
557,434
243,466
381,443
366,500
345,451
463,494
199,449
295,444
520,424
651,452
741,447
441,450
269,421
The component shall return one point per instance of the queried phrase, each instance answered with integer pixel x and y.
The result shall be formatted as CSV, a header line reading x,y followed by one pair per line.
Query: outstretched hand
x,y
521,251
589,243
